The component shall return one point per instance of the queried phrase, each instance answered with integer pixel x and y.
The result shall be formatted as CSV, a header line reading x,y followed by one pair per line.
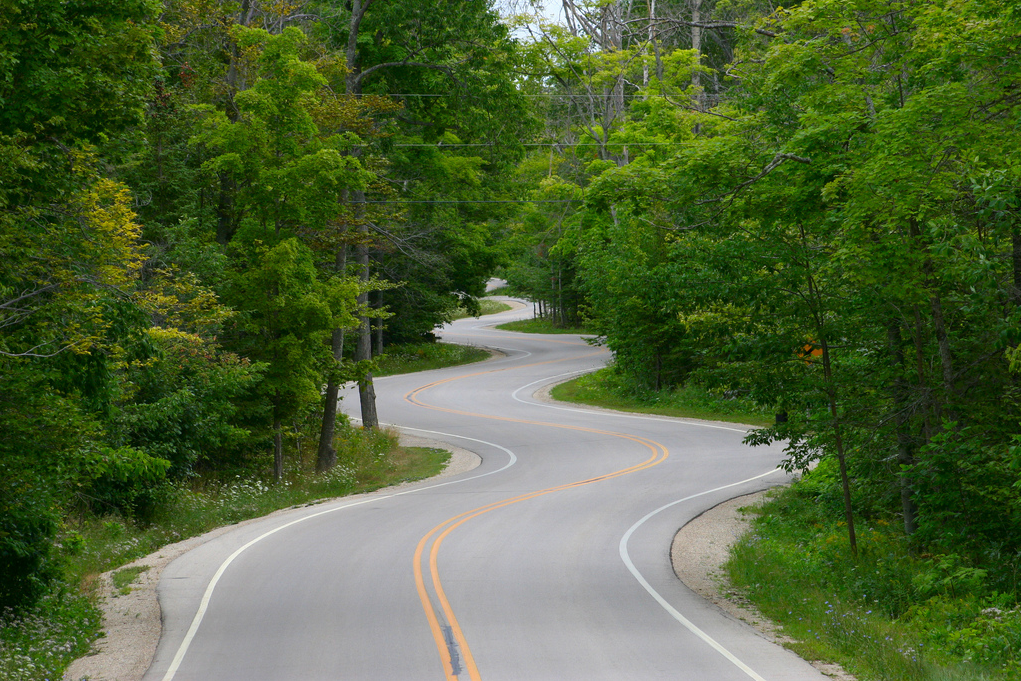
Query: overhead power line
x,y
480,201
543,94
544,144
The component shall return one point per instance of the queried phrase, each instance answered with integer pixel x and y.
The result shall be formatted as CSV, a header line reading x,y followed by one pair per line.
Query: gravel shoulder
x,y
698,553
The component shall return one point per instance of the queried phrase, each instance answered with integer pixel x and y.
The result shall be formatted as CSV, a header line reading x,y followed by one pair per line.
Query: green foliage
x,y
970,490
891,613
75,70
440,161
185,401
287,316
122,479
834,238
28,525
178,191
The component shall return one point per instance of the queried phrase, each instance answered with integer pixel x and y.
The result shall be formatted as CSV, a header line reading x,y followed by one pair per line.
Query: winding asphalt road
x,y
550,561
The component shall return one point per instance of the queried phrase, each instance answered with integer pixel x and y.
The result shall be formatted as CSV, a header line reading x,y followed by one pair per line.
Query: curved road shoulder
x,y
132,622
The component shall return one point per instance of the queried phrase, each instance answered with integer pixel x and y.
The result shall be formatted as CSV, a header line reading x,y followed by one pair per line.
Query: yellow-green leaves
x,y
113,234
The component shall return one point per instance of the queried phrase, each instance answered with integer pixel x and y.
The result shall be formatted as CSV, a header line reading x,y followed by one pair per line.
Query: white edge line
x,y
662,601
207,596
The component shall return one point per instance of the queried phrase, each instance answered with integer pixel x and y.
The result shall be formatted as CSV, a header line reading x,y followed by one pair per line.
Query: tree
x,y
288,153
418,51
287,315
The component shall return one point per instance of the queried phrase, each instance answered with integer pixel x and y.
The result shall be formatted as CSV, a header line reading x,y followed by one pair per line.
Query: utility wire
x,y
546,94
543,144
479,201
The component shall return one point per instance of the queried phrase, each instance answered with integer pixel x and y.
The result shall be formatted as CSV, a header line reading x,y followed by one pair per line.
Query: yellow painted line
x,y
443,530
430,612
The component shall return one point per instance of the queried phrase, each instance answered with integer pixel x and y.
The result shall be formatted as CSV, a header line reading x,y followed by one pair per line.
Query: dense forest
x,y
214,213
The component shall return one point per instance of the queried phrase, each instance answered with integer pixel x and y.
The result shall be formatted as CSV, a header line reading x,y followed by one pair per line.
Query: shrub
x,y
28,525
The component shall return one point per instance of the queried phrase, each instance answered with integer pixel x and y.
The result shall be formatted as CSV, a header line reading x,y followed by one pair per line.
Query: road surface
x,y
548,562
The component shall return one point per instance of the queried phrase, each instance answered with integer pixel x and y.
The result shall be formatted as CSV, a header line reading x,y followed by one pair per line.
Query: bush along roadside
x,y
892,613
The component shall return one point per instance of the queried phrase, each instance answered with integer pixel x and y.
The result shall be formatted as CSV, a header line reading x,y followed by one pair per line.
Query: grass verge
x,y
605,389
409,358
890,614
487,306
38,645
538,325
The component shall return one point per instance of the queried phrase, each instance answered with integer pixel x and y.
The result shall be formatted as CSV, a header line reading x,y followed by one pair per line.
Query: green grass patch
x,y
539,325
487,306
123,579
604,388
408,358
890,614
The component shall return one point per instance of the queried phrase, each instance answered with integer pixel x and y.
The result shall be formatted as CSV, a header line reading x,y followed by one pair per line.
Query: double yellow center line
x,y
444,645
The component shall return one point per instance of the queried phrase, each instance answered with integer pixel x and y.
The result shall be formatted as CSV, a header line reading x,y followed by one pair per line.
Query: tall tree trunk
x,y
363,348
696,36
818,315
905,452
655,47
377,345
278,451
326,457
1016,262
696,46
838,437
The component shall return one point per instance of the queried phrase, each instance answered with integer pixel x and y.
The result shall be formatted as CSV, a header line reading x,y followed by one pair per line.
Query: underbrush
x,y
890,614
606,388
411,357
40,644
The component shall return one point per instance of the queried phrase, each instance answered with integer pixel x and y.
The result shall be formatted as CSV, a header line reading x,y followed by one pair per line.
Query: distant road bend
x,y
548,562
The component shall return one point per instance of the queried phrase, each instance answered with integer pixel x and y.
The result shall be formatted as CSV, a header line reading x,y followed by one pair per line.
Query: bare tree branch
x,y
711,25
384,65
777,160
9,304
